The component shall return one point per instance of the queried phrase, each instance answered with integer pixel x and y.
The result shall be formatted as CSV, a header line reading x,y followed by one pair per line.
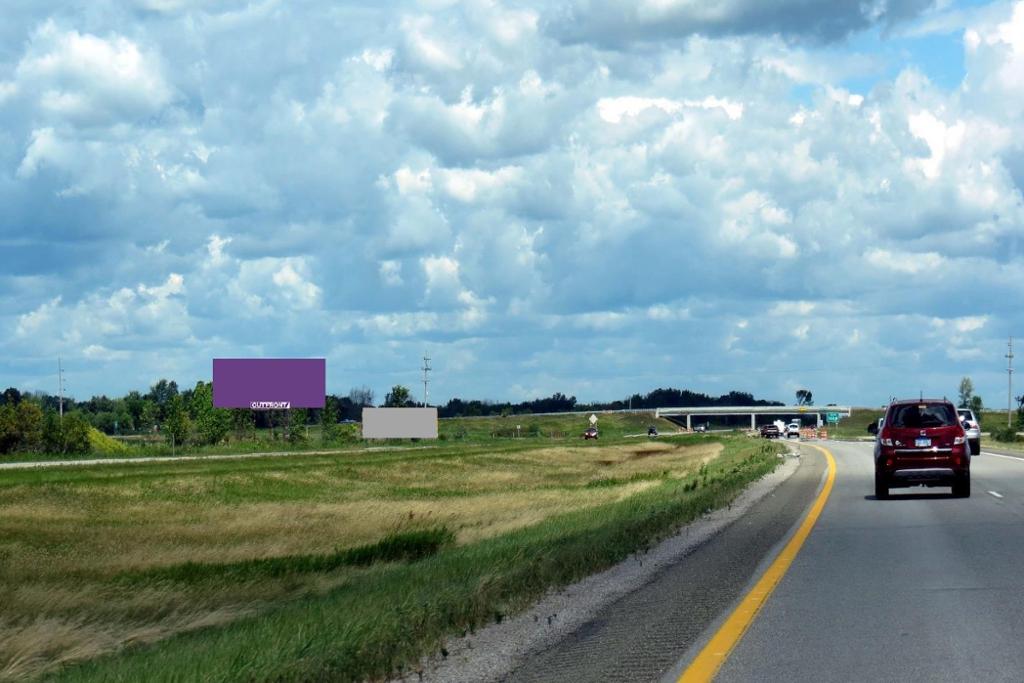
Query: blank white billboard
x,y
399,423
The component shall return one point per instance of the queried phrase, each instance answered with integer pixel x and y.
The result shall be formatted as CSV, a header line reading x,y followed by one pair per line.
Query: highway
x,y
921,587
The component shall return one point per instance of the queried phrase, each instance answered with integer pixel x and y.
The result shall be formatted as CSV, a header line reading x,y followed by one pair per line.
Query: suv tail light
x,y
886,442
959,440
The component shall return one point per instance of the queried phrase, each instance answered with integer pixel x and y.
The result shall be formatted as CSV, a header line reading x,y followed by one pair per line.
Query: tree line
x,y
30,421
560,403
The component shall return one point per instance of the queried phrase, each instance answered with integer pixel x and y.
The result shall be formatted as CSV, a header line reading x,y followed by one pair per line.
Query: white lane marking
x,y
997,495
1000,455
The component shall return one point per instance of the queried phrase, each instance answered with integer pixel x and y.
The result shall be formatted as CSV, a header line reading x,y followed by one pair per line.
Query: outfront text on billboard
x,y
399,423
269,383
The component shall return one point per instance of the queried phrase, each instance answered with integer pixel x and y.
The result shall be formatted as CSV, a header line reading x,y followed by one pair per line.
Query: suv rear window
x,y
919,415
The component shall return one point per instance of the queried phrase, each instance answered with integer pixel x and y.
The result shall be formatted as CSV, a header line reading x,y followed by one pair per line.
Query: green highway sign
x,y
832,417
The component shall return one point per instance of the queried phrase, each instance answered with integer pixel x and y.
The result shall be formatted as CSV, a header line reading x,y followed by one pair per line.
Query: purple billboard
x,y
269,383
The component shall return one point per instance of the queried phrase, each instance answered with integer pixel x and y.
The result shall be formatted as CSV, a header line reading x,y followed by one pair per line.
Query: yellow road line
x,y
706,665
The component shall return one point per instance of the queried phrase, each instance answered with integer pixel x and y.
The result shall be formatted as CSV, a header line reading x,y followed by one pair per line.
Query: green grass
x,y
208,554
533,428
855,426
404,546
610,426
383,619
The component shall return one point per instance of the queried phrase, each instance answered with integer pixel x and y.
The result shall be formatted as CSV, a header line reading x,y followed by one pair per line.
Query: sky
x,y
596,197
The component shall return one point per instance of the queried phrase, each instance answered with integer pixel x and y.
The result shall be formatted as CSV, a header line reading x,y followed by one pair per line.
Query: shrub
x,y
1004,433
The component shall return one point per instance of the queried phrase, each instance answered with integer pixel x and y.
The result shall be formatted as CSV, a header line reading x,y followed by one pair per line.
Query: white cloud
x,y
789,308
615,109
86,78
399,324
543,180
391,272
942,140
271,286
215,250
910,262
442,273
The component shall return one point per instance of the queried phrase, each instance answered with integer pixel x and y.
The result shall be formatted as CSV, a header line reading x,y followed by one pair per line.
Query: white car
x,y
973,429
793,429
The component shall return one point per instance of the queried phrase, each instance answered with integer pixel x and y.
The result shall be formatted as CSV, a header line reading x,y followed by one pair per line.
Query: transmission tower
x,y
426,379
60,390
1009,380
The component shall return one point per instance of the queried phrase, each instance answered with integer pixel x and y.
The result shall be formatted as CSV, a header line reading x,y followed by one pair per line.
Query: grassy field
x,y
562,428
856,425
335,567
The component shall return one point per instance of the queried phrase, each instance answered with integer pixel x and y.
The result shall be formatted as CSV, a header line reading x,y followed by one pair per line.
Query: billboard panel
x,y
269,383
399,423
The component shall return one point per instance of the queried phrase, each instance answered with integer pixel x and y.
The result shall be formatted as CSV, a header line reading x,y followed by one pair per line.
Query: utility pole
x,y
426,380
1009,380
60,390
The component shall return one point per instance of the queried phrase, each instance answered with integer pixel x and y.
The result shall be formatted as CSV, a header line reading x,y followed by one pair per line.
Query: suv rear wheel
x,y
962,486
881,486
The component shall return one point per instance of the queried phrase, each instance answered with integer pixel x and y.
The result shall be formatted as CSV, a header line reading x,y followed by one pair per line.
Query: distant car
x,y
700,428
591,433
652,431
770,432
973,429
921,443
793,429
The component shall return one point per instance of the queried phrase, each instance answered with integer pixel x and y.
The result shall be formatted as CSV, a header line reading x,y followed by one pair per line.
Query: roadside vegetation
x,y
332,567
855,426
169,421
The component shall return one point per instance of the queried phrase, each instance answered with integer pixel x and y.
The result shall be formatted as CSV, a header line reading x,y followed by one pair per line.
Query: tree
x,y
398,397
161,393
147,418
297,425
134,404
11,396
8,428
67,436
977,406
212,424
804,397
75,435
361,396
966,391
329,420
242,421
29,420
176,426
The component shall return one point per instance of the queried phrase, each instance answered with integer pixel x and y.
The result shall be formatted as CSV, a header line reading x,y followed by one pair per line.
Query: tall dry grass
x,y
68,538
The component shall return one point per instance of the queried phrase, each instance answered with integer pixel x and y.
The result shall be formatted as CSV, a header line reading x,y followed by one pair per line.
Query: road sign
x,y
832,417
593,419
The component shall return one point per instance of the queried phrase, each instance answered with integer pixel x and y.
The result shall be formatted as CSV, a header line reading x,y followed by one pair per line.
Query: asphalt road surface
x,y
921,587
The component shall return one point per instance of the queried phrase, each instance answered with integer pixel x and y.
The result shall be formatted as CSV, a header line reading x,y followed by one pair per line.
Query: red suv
x,y
921,443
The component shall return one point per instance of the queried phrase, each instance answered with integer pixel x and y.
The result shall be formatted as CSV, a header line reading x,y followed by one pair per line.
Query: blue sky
x,y
588,196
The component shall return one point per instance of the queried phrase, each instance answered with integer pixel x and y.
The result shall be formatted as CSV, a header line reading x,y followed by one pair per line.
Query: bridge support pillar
x,y
688,427
753,421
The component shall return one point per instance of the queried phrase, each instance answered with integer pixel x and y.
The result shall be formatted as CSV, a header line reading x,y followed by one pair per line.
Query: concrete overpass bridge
x,y
772,412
